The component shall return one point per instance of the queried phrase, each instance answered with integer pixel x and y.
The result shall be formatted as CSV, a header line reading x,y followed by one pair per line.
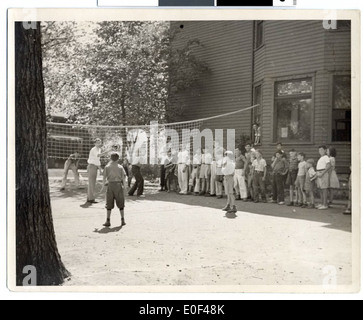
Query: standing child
x,y
205,173
115,176
213,174
259,177
279,170
72,163
249,155
334,183
228,172
219,173
183,169
300,181
310,183
323,169
195,176
239,176
170,168
292,175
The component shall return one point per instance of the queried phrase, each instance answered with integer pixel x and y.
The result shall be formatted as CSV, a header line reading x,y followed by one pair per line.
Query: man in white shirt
x,y
183,163
323,167
94,164
136,172
228,171
206,172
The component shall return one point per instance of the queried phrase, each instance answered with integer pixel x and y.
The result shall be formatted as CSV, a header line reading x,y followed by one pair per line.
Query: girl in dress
x,y
334,183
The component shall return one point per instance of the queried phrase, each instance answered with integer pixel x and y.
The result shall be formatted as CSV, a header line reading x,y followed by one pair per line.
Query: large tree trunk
x,y
35,237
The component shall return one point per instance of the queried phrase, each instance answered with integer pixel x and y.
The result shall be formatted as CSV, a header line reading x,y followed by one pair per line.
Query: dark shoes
x,y
123,223
107,224
227,208
92,201
233,210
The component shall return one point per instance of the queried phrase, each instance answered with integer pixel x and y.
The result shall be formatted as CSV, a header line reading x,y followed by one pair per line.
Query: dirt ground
x,y
188,241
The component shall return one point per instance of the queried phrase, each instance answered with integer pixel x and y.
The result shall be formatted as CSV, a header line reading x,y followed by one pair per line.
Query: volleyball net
x,y
151,141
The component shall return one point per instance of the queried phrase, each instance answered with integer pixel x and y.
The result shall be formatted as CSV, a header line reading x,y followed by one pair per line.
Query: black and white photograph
x,y
158,151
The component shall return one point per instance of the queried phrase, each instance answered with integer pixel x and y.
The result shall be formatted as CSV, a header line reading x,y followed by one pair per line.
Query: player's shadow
x,y
231,216
108,230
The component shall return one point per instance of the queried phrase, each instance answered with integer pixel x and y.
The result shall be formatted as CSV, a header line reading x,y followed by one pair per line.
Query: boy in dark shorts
x,y
115,177
292,174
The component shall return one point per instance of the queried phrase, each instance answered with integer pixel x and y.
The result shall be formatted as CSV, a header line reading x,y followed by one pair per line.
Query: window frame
x,y
255,86
331,104
257,24
274,134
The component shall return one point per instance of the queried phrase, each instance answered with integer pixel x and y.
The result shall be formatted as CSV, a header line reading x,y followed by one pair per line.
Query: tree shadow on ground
x,y
332,218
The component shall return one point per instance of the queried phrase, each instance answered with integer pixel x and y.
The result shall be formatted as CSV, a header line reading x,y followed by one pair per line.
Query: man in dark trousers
x,y
136,172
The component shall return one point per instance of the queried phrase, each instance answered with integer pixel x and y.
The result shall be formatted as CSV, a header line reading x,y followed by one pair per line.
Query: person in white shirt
x,y
94,164
205,172
323,168
259,177
194,181
219,178
183,163
228,171
136,172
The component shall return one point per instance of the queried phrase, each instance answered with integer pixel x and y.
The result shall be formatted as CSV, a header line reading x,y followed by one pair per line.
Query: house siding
x,y
291,50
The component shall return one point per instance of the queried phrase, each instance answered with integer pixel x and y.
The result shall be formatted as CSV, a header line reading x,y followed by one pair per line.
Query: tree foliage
x,y
117,73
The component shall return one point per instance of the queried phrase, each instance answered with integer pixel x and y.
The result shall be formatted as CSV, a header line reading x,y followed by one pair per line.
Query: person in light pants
x,y
72,163
183,172
195,176
213,178
239,176
94,164
216,173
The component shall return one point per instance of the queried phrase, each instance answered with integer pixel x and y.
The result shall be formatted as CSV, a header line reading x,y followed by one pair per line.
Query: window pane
x,y
294,120
290,88
259,34
342,125
342,92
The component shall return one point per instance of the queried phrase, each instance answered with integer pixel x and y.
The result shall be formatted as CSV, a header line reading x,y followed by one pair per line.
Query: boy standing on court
x,y
259,177
300,181
115,176
183,169
248,171
292,175
310,183
194,181
239,176
228,172
279,170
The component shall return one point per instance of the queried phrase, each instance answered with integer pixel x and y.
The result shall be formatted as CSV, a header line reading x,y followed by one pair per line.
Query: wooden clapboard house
x,y
298,71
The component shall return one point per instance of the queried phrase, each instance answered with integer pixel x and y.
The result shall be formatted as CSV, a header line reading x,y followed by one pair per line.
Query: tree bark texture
x,y
35,236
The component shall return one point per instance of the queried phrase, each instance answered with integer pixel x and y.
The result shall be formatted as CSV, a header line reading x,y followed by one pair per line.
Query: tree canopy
x,y
117,73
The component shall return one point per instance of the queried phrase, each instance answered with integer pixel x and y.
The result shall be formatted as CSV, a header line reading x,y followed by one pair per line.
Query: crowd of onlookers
x,y
241,175
244,174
